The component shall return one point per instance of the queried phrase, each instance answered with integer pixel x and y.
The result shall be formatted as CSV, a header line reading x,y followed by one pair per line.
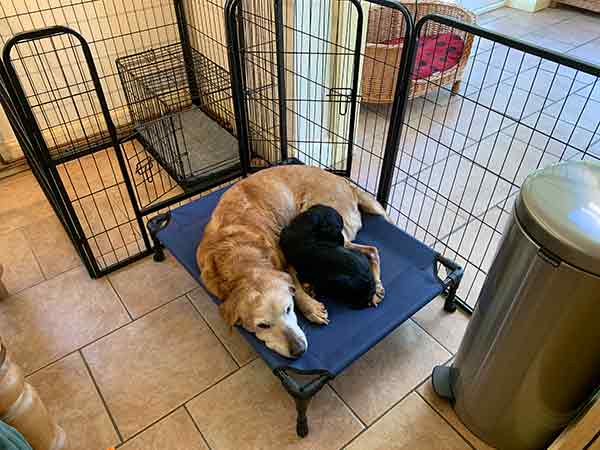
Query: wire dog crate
x,y
179,111
191,94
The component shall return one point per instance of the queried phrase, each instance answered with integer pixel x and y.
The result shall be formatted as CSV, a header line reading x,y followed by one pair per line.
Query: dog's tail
x,y
368,204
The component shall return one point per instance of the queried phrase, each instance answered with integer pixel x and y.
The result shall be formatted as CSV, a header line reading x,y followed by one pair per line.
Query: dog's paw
x,y
308,289
318,314
379,294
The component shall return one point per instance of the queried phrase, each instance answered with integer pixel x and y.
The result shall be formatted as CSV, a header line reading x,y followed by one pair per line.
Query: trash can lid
x,y
559,207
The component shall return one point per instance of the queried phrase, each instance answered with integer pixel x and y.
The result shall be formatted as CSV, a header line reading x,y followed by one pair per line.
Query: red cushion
x,y
435,53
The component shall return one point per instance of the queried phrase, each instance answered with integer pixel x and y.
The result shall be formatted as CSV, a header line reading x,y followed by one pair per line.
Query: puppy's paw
x,y
379,294
317,313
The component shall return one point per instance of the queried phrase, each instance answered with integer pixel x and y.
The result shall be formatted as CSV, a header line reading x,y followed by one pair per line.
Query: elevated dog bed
x,y
409,274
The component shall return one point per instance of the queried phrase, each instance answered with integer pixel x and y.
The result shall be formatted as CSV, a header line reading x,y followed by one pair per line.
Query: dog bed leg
x,y
302,420
302,394
154,225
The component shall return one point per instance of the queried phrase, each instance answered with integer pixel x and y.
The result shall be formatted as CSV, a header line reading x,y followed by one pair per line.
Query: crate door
x,y
325,39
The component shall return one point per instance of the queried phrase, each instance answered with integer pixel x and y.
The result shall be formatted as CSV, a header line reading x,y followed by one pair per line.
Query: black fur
x,y
313,244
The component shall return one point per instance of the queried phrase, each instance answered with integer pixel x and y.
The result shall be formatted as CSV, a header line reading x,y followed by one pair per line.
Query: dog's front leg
x,y
312,309
373,254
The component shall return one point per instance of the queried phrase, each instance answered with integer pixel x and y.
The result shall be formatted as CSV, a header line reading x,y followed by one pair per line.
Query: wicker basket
x,y
381,61
590,5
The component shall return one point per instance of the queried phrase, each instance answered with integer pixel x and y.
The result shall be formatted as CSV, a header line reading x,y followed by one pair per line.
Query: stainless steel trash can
x,y
531,353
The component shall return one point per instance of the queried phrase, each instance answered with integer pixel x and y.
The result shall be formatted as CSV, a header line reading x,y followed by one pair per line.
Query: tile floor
x,y
462,158
141,359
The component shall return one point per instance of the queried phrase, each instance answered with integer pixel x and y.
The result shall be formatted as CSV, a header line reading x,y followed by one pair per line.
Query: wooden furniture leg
x,y
22,408
455,87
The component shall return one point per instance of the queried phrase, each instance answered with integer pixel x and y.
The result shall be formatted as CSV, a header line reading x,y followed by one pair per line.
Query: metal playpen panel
x,y
442,137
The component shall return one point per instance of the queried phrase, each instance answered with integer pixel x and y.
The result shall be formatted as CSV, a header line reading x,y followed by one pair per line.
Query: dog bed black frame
x,y
409,274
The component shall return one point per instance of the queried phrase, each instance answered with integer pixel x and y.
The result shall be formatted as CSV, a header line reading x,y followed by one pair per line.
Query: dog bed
x,y
409,274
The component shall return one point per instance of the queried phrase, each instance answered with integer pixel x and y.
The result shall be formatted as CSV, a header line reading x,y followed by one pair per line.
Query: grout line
x,y
93,341
435,411
386,411
102,399
181,404
352,412
422,328
377,419
197,427
121,301
201,317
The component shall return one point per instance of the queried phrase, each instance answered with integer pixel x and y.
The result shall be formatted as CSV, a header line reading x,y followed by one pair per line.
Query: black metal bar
x,y
156,224
302,393
354,88
186,47
452,282
550,55
281,84
237,87
398,108
32,130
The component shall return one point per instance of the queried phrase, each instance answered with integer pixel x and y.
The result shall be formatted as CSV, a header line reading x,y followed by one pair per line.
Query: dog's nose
x,y
297,348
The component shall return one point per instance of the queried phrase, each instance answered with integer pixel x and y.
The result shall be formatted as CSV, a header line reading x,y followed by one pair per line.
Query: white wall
x,y
112,28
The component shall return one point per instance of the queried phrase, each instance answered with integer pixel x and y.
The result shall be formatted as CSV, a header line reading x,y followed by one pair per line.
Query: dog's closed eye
x,y
288,309
266,326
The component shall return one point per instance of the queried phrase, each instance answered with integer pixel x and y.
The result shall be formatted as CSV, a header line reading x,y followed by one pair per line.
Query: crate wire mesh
x,y
454,162
463,156
75,160
180,135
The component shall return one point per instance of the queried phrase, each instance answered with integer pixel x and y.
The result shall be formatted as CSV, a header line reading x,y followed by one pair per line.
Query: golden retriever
x,y
241,262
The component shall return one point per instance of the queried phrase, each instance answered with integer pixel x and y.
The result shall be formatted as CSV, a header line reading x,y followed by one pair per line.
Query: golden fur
x,y
239,255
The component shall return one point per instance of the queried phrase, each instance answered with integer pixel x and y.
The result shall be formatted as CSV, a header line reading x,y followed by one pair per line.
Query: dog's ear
x,y
233,308
230,312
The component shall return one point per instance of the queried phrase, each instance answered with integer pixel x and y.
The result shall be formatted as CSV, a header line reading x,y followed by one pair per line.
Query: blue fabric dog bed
x,y
409,275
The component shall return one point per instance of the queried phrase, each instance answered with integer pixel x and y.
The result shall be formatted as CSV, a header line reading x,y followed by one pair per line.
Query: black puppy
x,y
313,244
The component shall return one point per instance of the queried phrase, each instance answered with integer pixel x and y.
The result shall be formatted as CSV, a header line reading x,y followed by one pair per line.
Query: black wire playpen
x,y
127,109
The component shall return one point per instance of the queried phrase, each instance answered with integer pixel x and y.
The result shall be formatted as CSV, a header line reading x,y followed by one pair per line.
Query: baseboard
x,y
491,8
10,151
529,5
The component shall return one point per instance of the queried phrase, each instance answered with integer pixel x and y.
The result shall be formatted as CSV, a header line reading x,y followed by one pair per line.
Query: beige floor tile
x,y
509,158
465,184
552,135
241,351
578,110
45,322
505,98
575,32
447,328
410,425
52,247
425,217
21,269
468,118
153,365
69,394
148,284
23,202
540,38
589,52
389,371
251,410
174,432
445,409
507,59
